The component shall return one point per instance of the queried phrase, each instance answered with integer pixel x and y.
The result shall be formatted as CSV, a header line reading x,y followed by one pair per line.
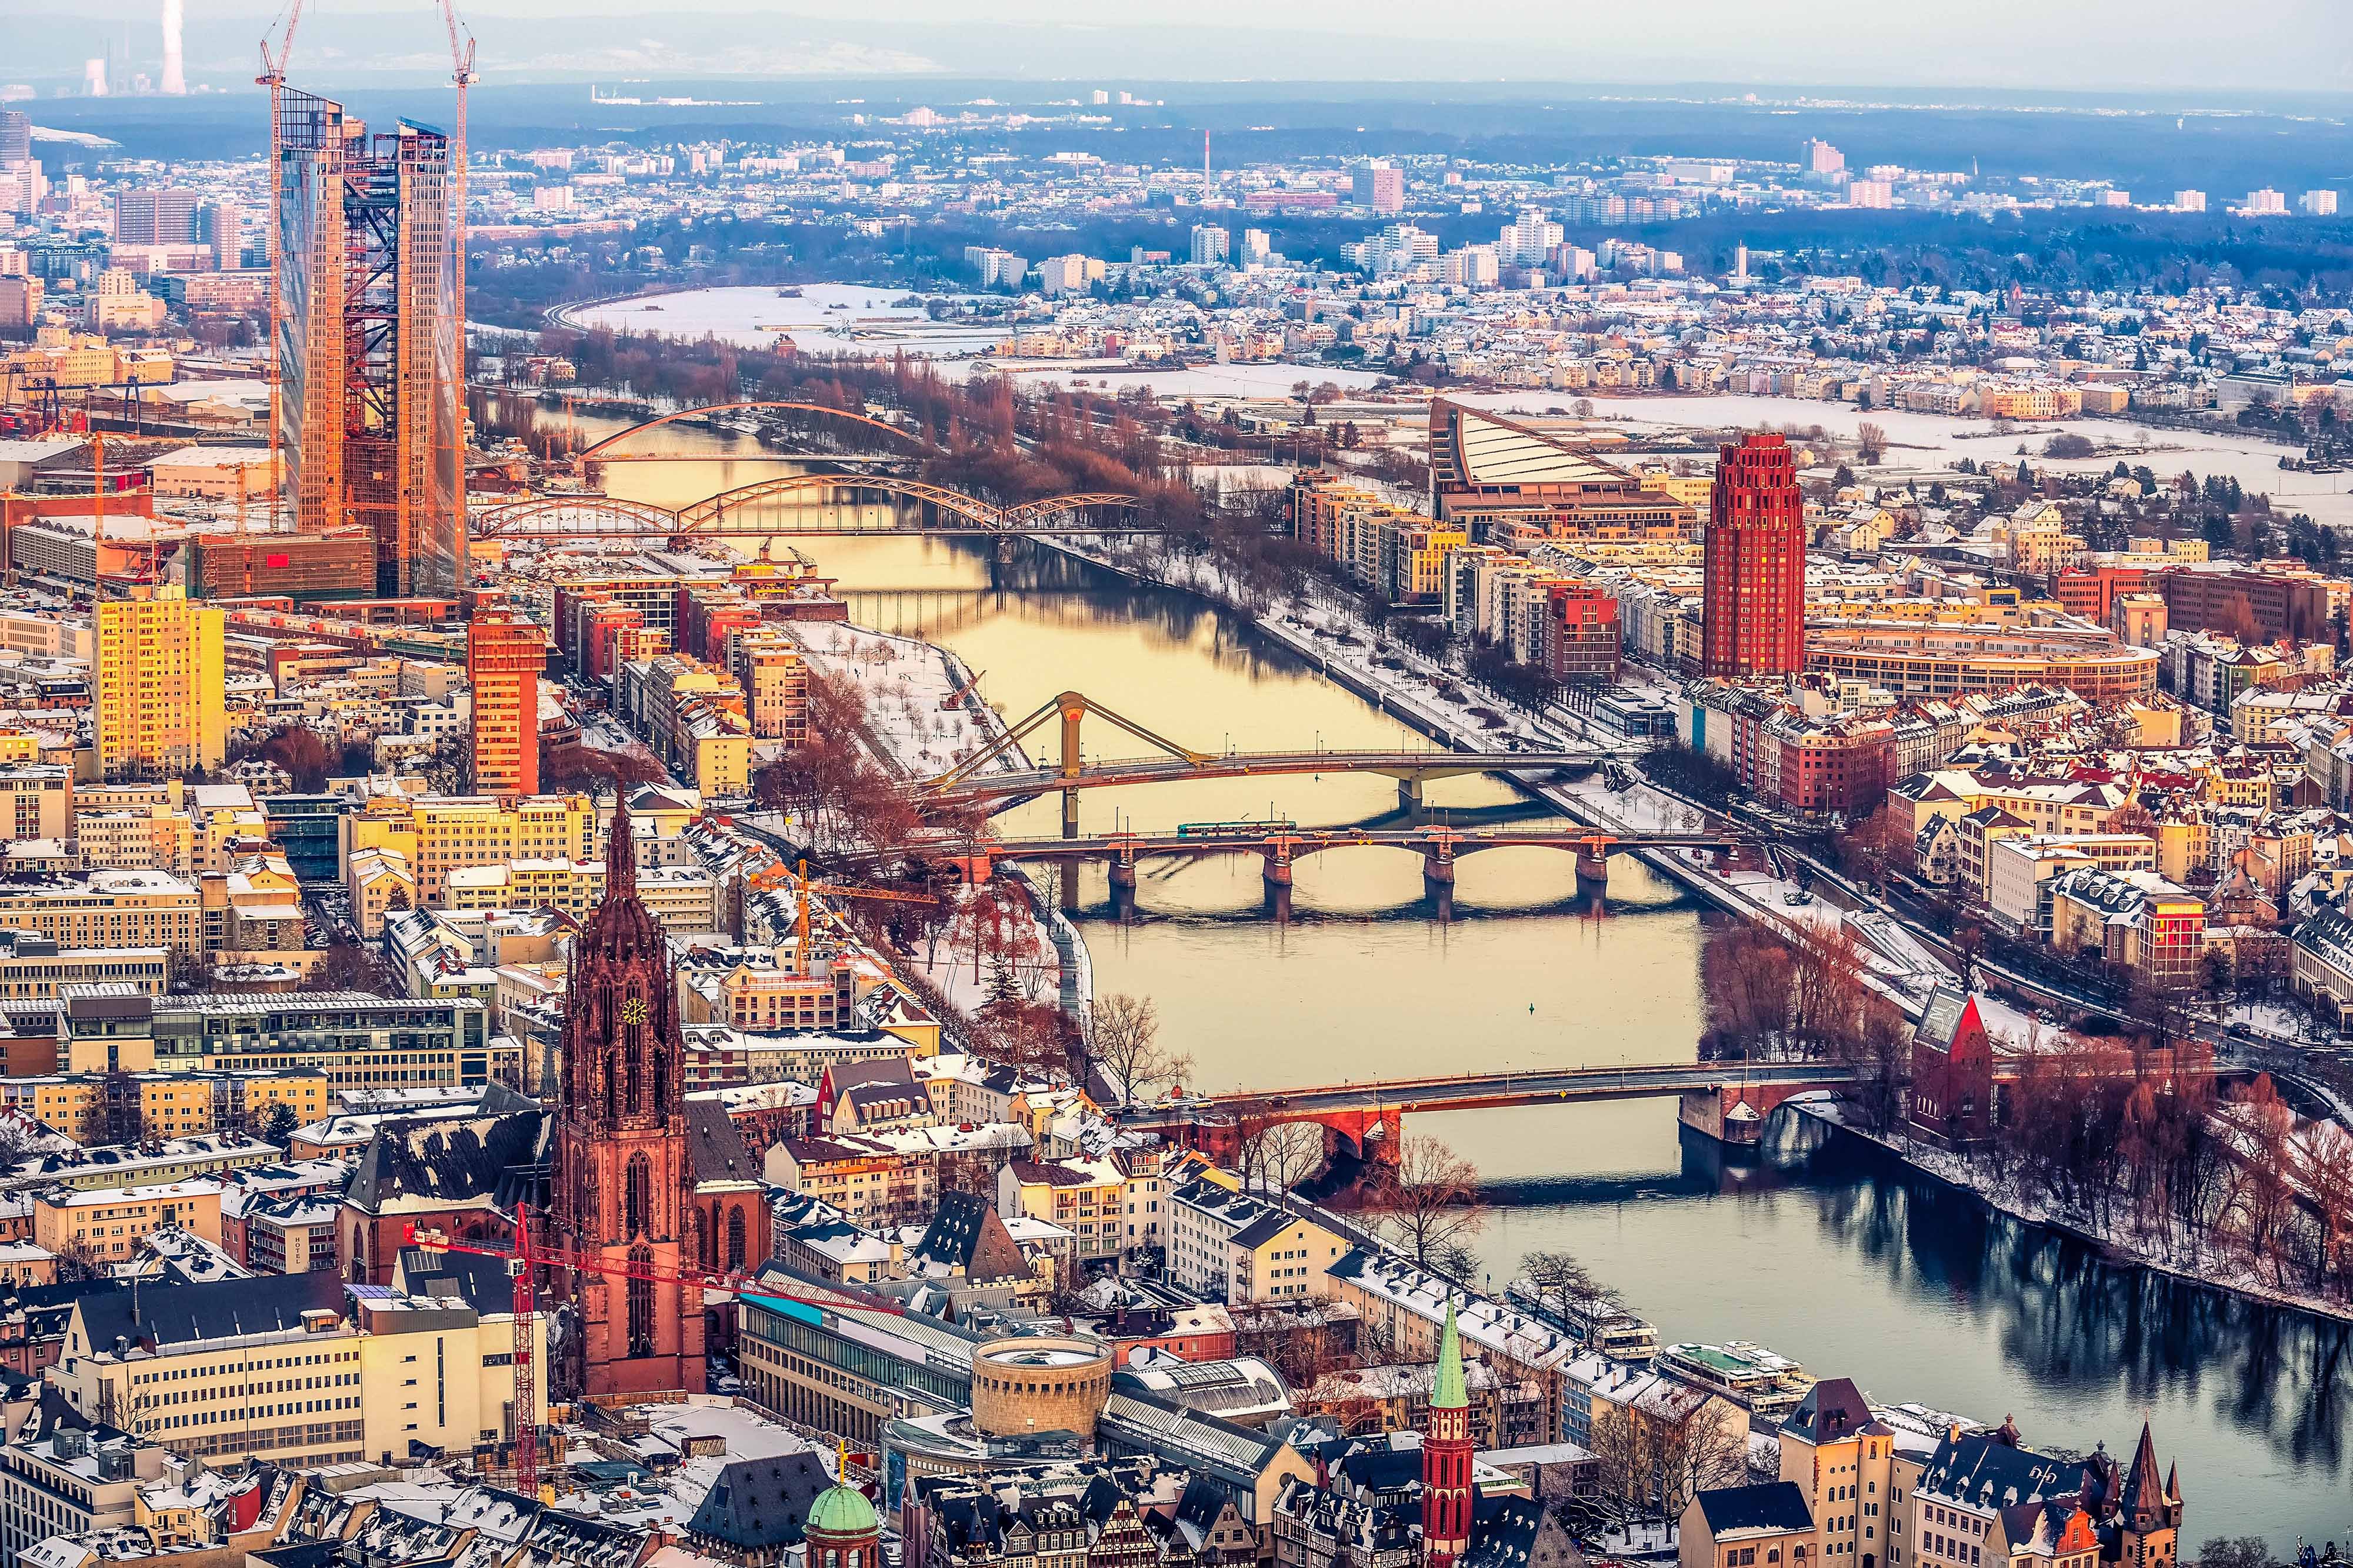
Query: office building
x,y
370,361
155,215
504,658
358,1041
16,137
221,225
284,1368
160,685
1380,186
1752,614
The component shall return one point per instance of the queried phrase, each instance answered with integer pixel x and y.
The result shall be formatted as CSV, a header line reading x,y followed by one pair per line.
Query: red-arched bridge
x,y
1365,1121
857,418
803,506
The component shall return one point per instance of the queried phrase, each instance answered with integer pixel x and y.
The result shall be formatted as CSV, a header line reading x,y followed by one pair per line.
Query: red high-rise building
x,y
1753,618
1446,1449
505,656
624,1187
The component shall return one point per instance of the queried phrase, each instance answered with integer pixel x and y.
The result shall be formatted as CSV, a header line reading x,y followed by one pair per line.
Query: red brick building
x,y
1753,608
505,656
1581,635
625,1182
1952,1072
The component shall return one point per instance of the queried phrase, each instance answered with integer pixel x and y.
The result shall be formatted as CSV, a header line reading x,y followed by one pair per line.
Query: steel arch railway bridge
x,y
849,415
782,508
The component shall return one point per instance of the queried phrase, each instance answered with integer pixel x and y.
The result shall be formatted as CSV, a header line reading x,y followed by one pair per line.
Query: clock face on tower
x,y
633,1011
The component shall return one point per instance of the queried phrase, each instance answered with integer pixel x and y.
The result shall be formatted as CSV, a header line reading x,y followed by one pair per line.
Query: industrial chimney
x,y
176,80
93,77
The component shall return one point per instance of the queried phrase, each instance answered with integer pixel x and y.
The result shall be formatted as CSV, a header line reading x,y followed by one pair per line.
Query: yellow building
x,y
282,1368
576,887
108,909
107,1224
435,835
437,1372
141,838
775,684
160,685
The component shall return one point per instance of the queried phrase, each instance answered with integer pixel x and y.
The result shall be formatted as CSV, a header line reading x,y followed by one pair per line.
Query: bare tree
x,y
1427,1205
1122,1040
1653,1459
1277,1155
1567,1286
1870,442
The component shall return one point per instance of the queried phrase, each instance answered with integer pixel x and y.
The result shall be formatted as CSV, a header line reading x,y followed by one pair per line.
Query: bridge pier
x,y
1069,814
1277,867
1410,794
1004,553
1123,872
1592,870
1278,901
1437,883
1067,880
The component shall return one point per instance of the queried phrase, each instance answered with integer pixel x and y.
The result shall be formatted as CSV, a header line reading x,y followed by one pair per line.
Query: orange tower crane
x,y
529,1255
273,77
778,876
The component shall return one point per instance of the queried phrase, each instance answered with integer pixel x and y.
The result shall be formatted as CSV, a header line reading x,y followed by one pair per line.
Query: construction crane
x,y
778,876
528,1256
462,72
274,78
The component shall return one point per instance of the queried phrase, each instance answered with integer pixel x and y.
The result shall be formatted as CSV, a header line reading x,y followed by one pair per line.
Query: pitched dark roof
x,y
715,1151
1774,1505
1987,1472
760,1503
1832,1411
175,1314
1504,1532
482,1283
966,1234
449,1162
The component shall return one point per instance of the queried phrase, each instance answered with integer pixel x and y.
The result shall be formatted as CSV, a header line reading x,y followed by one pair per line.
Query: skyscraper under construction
x,y
369,322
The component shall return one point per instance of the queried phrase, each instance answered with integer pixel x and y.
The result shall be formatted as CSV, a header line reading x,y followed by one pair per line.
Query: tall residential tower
x,y
1753,611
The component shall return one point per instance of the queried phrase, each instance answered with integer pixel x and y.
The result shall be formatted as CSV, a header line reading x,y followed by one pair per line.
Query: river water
x,y
1822,1251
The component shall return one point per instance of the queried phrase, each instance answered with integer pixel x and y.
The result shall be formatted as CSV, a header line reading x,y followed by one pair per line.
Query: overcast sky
x,y
2229,47
2092,45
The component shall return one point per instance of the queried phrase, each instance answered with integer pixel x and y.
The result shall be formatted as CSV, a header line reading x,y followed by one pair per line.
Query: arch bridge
x,y
972,781
849,415
1366,1120
768,509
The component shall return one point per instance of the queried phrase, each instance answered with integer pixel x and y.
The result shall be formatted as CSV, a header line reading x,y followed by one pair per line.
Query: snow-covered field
x,y
907,685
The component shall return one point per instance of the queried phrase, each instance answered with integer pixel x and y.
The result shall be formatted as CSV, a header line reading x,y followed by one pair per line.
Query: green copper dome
x,y
843,1511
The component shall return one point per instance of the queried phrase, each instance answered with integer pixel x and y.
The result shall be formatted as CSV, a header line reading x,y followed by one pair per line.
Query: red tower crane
x,y
528,1256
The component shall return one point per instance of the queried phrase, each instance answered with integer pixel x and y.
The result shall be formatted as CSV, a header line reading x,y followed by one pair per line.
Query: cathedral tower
x,y
622,1188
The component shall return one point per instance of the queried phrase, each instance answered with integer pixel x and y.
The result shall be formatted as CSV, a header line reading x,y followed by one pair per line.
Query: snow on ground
x,y
916,731
2121,1236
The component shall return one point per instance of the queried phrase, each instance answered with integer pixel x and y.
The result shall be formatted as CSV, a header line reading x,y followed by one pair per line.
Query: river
x,y
1826,1252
